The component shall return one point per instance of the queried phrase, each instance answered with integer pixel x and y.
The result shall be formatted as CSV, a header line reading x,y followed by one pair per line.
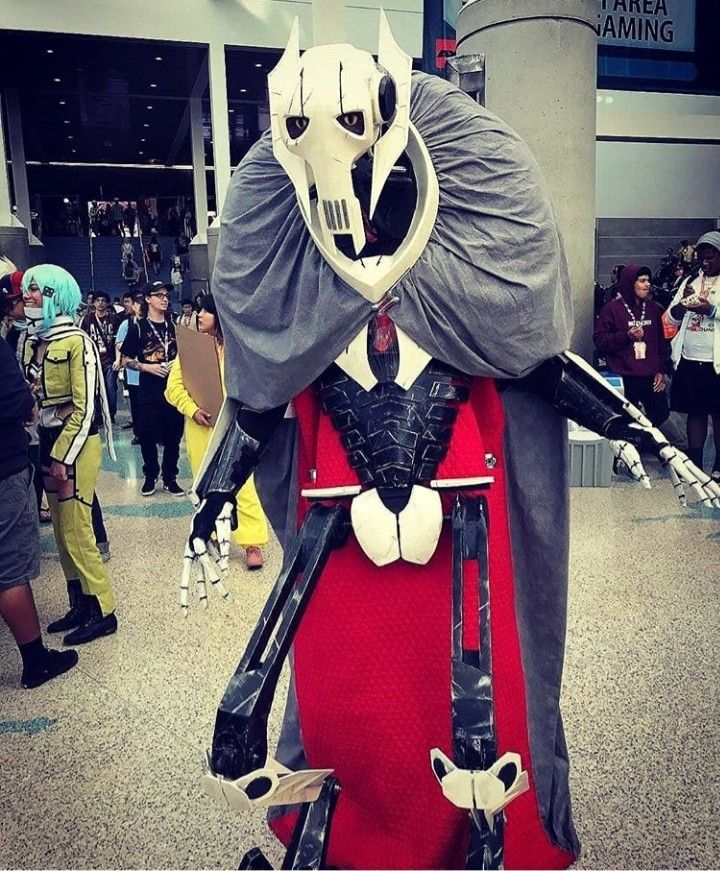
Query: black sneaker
x,y
94,626
148,488
54,663
173,488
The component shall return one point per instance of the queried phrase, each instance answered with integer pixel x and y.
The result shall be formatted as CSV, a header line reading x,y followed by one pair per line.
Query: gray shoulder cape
x,y
490,294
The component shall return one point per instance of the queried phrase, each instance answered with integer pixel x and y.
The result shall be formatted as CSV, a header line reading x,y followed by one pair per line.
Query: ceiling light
x,y
153,85
141,152
74,151
243,90
66,200
142,140
258,66
146,125
49,51
231,111
66,121
158,57
61,102
148,107
57,80
71,137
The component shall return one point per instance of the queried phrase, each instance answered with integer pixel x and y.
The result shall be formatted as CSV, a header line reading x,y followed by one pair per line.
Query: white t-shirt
x,y
699,335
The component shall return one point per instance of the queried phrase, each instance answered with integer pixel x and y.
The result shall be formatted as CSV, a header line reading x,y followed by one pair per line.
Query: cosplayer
x,y
66,368
402,238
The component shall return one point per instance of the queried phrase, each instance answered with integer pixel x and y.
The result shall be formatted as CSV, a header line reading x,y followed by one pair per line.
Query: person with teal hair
x,y
60,295
67,370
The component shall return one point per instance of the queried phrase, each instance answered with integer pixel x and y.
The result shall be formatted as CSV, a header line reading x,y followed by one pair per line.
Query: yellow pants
x,y
70,505
252,524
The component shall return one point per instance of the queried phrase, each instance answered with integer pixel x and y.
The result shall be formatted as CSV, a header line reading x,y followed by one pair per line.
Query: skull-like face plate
x,y
327,109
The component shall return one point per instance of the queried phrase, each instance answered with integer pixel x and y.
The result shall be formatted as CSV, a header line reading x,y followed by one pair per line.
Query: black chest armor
x,y
395,438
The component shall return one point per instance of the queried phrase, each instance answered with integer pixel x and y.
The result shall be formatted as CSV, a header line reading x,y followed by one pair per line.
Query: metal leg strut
x,y
474,744
240,738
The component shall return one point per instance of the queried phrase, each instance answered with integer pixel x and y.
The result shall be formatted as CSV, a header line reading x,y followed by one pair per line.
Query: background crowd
x,y
660,333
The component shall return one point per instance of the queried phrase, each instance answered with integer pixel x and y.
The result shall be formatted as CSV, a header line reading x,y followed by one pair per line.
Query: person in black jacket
x,y
19,535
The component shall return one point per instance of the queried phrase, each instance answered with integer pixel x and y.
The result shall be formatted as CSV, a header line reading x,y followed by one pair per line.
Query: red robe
x,y
372,670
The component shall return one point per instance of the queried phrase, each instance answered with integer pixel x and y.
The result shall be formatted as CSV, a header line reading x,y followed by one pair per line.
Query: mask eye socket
x,y
296,125
353,122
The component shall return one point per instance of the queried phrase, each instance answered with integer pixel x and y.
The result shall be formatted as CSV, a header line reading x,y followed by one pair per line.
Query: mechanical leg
x,y
309,844
474,745
477,781
240,739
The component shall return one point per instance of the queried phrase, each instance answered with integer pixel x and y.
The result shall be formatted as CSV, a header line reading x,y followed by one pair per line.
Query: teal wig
x,y
60,292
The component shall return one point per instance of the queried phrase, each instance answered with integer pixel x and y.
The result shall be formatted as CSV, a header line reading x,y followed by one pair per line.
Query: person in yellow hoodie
x,y
67,373
252,531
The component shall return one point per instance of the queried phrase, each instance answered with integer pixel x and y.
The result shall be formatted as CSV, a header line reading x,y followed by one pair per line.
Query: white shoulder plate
x,y
354,360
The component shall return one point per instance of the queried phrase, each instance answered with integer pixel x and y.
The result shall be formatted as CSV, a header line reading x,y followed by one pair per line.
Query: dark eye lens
x,y
296,125
353,122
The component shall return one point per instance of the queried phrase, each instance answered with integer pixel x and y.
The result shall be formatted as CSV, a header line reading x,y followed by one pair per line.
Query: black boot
x,y
52,664
78,609
94,626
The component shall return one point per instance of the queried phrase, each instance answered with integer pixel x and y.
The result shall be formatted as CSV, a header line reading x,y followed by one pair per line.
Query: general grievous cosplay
x,y
389,267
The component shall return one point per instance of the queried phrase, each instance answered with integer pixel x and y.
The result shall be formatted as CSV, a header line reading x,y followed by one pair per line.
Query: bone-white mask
x,y
328,109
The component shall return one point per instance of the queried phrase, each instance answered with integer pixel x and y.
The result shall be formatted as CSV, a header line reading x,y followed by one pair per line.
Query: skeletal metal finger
x,y
217,583
629,455
211,575
200,585
223,528
677,485
185,579
705,487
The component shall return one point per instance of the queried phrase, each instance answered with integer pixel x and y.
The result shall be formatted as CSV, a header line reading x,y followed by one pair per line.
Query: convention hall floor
x,y
100,768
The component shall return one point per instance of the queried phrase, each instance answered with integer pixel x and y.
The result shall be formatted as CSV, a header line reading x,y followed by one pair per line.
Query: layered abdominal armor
x,y
395,439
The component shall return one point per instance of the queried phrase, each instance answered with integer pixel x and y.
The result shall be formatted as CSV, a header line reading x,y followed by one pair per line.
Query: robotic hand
x,y
641,435
576,390
215,513
234,450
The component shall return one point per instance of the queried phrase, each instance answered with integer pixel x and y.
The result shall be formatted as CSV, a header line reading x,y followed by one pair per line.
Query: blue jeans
x,y
110,379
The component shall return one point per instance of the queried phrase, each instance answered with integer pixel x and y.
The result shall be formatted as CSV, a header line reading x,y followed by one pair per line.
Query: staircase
x,y
105,273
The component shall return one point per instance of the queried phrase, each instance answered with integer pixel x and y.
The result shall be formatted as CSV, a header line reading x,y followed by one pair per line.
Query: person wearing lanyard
x,y
696,351
132,377
149,348
101,325
629,334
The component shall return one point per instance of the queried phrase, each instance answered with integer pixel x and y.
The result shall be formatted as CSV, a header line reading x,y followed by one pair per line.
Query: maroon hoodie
x,y
611,330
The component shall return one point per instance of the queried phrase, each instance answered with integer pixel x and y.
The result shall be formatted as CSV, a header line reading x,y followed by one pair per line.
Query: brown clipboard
x,y
201,369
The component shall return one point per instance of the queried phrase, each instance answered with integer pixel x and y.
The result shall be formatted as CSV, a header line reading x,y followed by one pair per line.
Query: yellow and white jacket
x,y
70,376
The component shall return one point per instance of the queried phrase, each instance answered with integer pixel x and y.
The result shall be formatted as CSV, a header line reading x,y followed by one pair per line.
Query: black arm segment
x,y
582,397
240,450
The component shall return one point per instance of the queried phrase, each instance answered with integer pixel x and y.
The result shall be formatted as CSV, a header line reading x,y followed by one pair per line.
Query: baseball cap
x,y
154,286
11,285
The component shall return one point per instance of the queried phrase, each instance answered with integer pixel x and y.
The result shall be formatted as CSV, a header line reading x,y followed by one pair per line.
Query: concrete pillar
x,y
198,159
17,156
14,242
540,77
219,120
199,267
19,171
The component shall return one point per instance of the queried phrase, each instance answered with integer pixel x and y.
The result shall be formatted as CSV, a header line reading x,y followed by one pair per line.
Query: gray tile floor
x,y
100,768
